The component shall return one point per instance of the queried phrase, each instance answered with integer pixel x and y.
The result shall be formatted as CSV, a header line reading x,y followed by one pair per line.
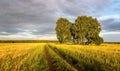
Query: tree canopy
x,y
63,30
85,30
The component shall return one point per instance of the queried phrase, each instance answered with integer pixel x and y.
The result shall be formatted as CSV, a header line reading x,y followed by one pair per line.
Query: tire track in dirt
x,y
49,60
73,65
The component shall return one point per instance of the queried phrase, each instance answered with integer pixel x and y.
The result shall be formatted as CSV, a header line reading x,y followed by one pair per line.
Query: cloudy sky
x,y
35,19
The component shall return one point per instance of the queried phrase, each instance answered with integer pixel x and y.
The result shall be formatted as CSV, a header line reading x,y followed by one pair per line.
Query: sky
x,y
36,19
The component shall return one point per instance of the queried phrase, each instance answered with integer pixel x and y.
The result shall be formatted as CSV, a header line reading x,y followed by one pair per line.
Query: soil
x,y
53,68
49,60
73,65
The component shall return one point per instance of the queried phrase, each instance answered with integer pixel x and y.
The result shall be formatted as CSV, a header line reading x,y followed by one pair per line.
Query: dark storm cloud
x,y
111,24
81,7
26,14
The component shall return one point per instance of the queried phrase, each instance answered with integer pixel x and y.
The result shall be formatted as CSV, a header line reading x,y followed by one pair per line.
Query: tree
x,y
93,29
63,30
81,25
88,29
73,33
98,40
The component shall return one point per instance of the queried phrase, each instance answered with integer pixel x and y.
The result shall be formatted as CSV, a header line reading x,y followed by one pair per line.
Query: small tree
x,y
63,30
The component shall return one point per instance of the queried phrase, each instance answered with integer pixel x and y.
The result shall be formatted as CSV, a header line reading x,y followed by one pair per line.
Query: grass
x,y
58,62
22,57
92,58
31,57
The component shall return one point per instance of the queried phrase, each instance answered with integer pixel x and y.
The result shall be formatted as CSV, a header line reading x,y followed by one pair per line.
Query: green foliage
x,y
81,24
85,30
98,40
63,30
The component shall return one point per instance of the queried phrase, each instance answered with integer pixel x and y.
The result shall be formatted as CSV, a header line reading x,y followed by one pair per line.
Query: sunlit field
x,y
59,57
22,57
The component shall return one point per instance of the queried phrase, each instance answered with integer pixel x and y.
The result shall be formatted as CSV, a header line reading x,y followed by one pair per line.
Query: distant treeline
x,y
40,41
28,41
112,42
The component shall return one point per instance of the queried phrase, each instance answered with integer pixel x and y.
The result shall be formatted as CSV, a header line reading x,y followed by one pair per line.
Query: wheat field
x,y
59,57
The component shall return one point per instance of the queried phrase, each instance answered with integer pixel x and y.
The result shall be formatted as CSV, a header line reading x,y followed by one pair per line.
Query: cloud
x,y
39,14
111,36
110,22
37,17
81,7
28,36
106,17
26,14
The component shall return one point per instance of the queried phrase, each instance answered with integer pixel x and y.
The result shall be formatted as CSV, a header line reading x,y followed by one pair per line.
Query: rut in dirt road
x,y
49,60
73,65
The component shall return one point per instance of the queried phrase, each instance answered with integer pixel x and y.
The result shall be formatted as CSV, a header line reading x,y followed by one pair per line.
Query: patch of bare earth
x,y
72,64
51,66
